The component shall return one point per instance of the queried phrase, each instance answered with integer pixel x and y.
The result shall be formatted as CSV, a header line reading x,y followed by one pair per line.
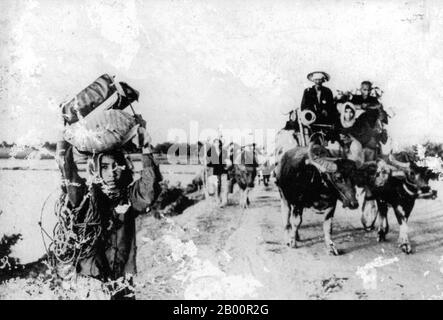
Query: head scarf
x,y
94,169
347,123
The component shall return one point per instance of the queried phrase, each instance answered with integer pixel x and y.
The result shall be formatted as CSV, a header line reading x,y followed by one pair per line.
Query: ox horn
x,y
323,165
395,171
399,164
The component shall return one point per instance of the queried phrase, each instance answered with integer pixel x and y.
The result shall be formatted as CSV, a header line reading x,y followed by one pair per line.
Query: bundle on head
x,y
94,118
102,131
103,92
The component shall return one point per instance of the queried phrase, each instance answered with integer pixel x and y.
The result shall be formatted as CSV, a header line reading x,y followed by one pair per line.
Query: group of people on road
x,y
220,162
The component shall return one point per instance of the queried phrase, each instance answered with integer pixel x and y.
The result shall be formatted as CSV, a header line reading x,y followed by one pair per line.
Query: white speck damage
x,y
220,286
117,22
204,280
226,256
180,249
368,272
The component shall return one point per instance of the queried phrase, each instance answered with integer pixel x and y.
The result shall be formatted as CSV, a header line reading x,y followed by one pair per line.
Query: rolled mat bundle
x,y
104,92
101,131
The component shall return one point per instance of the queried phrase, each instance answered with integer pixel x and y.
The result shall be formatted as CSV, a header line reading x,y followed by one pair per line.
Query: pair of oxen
x,y
308,177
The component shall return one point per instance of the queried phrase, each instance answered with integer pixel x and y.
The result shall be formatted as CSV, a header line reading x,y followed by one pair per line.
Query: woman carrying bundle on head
x,y
96,229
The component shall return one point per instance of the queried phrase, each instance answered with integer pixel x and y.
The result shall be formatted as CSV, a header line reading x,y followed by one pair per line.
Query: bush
x,y
7,263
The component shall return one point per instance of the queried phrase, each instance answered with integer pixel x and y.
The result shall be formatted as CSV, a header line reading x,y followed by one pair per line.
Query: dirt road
x,y
234,253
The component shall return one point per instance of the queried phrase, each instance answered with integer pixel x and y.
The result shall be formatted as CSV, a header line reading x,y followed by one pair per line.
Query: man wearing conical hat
x,y
319,99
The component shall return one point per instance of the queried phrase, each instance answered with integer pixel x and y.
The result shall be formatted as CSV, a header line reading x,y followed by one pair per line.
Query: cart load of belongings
x,y
95,118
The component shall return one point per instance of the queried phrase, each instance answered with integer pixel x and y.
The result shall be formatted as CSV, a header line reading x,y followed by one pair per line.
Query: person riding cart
x,y
320,101
370,128
292,123
366,99
367,96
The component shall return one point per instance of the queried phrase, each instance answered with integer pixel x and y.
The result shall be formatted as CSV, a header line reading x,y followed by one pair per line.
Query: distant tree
x,y
49,145
433,149
182,149
7,145
9,263
162,148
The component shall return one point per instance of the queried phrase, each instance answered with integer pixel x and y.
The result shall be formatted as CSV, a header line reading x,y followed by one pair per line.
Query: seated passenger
x,y
347,116
368,100
292,123
365,99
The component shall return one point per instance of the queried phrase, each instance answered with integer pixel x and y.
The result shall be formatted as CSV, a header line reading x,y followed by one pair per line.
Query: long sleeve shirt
x,y
113,255
141,193
321,103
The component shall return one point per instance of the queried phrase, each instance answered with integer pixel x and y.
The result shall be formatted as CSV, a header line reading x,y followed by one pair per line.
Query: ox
x,y
308,181
396,182
243,172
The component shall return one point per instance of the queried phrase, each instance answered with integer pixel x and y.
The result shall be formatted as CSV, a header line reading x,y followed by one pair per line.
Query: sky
x,y
230,64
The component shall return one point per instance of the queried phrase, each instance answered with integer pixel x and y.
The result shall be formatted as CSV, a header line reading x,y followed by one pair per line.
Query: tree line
x,y
160,148
432,148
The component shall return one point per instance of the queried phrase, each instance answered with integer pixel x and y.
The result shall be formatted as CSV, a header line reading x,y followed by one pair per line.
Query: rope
x,y
321,135
335,186
74,236
40,222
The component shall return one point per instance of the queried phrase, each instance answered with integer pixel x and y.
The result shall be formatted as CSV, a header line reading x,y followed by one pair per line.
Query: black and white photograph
x,y
254,150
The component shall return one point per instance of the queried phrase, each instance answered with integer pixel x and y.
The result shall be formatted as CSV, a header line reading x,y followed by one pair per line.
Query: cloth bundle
x,y
94,118
104,92
102,131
